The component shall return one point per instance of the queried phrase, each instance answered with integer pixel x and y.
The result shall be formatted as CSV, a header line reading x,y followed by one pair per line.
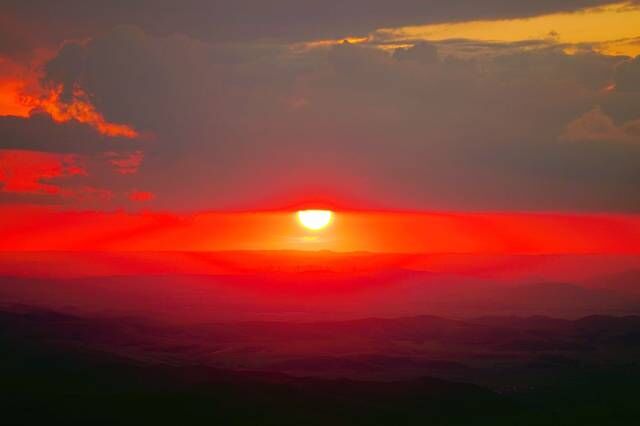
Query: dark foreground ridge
x,y
44,381
52,372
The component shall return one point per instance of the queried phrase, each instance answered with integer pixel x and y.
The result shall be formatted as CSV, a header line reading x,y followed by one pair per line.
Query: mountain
x,y
310,296
626,282
72,369
54,374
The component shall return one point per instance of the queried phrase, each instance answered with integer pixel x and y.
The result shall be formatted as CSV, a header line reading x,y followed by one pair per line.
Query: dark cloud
x,y
627,76
47,23
623,102
40,133
420,52
70,163
596,125
245,125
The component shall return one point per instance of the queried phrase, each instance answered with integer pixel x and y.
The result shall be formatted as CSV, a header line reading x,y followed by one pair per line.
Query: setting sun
x,y
315,219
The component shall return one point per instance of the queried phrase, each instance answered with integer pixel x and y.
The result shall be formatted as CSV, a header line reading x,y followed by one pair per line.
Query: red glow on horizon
x,y
38,228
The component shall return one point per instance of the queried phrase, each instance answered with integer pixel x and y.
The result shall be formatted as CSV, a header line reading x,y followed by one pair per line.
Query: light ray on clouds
x,y
611,29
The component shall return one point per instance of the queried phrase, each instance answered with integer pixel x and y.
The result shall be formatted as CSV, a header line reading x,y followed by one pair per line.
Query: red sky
x,y
40,228
430,128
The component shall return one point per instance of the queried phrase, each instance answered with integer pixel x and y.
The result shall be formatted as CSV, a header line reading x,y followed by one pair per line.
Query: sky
x,y
129,118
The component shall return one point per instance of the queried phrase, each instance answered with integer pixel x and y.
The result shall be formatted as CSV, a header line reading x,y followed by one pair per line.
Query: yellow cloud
x,y
611,29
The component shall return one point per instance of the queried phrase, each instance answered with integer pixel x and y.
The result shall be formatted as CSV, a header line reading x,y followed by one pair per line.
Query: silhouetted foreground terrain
x,y
53,377
59,368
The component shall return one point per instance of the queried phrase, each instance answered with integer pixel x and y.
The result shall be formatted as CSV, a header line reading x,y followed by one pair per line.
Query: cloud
x,y
44,126
48,178
421,52
141,196
23,93
10,103
627,76
125,163
31,171
40,22
256,124
609,29
39,132
80,109
595,125
36,155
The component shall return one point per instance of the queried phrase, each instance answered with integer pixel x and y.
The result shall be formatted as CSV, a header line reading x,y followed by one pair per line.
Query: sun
x,y
315,219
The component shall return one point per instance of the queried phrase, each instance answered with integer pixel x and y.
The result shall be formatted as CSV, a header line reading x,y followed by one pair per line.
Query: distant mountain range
x,y
373,371
315,296
507,268
472,350
273,338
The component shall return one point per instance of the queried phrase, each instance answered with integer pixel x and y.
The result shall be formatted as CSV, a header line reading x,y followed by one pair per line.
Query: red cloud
x,y
79,109
21,95
11,101
25,171
141,196
31,172
125,164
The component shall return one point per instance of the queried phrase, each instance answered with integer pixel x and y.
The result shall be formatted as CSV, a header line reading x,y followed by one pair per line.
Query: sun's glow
x,y
315,219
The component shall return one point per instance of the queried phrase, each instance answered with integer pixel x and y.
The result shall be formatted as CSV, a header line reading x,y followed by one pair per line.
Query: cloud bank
x,y
243,116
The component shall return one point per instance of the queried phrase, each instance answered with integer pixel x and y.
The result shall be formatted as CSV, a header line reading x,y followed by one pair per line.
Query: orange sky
x,y
38,228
